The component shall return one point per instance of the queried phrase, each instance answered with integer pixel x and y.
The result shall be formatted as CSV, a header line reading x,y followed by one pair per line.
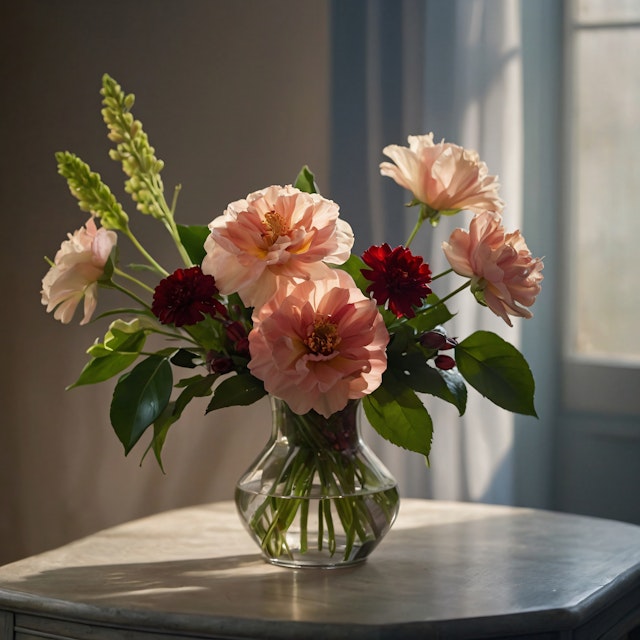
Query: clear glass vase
x,y
317,496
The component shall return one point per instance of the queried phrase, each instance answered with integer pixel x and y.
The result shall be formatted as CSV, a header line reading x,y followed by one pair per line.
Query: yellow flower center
x,y
323,338
274,227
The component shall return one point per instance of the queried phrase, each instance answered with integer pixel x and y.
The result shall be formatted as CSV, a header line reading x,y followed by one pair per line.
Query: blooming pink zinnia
x,y
443,176
78,265
502,270
319,344
275,236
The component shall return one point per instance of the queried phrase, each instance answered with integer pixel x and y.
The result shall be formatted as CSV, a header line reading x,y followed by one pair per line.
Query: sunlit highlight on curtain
x,y
454,68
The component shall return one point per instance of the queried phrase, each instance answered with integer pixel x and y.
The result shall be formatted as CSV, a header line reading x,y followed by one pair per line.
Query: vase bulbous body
x,y
317,496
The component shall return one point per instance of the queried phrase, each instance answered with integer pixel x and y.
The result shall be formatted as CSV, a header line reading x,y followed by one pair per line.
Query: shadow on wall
x,y
234,97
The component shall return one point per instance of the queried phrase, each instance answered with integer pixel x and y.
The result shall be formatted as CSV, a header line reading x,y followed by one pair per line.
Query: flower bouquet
x,y
271,301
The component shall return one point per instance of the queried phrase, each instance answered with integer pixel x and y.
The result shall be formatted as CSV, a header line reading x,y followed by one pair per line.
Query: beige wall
x,y
234,96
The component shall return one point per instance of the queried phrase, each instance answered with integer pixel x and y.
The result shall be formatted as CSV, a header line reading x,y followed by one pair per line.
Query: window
x,y
604,122
603,173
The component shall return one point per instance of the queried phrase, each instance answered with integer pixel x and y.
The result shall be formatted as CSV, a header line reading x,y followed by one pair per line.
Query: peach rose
x,y
503,273
319,344
443,176
78,265
275,236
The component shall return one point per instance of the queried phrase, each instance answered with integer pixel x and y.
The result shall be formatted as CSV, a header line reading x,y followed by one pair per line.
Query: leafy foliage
x,y
139,399
498,371
397,414
306,181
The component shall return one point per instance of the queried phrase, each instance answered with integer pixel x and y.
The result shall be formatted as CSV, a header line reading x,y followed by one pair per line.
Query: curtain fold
x,y
454,68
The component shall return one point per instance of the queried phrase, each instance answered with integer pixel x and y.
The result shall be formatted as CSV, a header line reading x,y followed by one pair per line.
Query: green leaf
x,y
143,313
194,387
242,389
192,238
197,386
160,430
119,329
139,398
430,315
306,181
209,333
101,369
398,415
423,378
117,353
109,267
496,369
185,358
456,389
353,266
402,339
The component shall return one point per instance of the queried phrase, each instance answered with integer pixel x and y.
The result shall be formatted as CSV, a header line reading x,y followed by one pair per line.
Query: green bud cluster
x,y
93,195
133,150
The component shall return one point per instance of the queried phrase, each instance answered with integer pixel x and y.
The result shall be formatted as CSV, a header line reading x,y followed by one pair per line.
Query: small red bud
x,y
444,362
433,340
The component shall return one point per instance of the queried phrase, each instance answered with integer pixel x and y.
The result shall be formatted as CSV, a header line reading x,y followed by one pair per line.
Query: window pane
x,y
607,10
606,193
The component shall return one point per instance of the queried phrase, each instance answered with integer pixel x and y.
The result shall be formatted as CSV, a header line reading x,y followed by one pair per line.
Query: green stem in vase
x,y
331,534
322,459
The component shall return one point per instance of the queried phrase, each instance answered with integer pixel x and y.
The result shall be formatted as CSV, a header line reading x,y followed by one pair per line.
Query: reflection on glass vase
x,y
317,496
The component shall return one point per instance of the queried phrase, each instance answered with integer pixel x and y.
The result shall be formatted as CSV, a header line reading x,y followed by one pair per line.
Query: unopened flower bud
x,y
129,100
437,340
219,363
237,334
433,340
444,362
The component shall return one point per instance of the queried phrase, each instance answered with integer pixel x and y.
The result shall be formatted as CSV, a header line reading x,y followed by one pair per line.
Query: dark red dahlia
x,y
184,297
397,276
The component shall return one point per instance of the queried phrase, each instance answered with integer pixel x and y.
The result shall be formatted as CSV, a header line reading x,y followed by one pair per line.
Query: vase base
x,y
308,561
323,558
318,532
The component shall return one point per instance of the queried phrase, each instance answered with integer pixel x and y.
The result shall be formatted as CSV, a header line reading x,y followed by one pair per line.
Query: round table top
x,y
444,566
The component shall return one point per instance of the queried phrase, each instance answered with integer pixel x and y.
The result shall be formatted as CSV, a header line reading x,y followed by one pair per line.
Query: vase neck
x,y
339,432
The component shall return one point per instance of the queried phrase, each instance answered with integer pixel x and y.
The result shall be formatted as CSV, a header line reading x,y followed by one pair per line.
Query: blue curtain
x,y
454,67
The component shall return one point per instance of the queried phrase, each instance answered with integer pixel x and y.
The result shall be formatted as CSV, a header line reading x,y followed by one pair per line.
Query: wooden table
x,y
446,570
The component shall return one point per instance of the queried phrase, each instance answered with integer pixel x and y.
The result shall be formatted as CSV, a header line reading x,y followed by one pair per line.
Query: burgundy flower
x,y
397,276
185,296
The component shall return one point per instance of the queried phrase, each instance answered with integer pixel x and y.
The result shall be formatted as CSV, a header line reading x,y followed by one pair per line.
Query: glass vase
x,y
317,496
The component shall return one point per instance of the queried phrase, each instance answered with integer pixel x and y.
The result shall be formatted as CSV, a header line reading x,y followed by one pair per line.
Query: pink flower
x,y
503,273
275,236
77,267
443,176
319,344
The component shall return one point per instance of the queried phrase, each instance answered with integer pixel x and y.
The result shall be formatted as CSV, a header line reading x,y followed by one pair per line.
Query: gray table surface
x,y
446,570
